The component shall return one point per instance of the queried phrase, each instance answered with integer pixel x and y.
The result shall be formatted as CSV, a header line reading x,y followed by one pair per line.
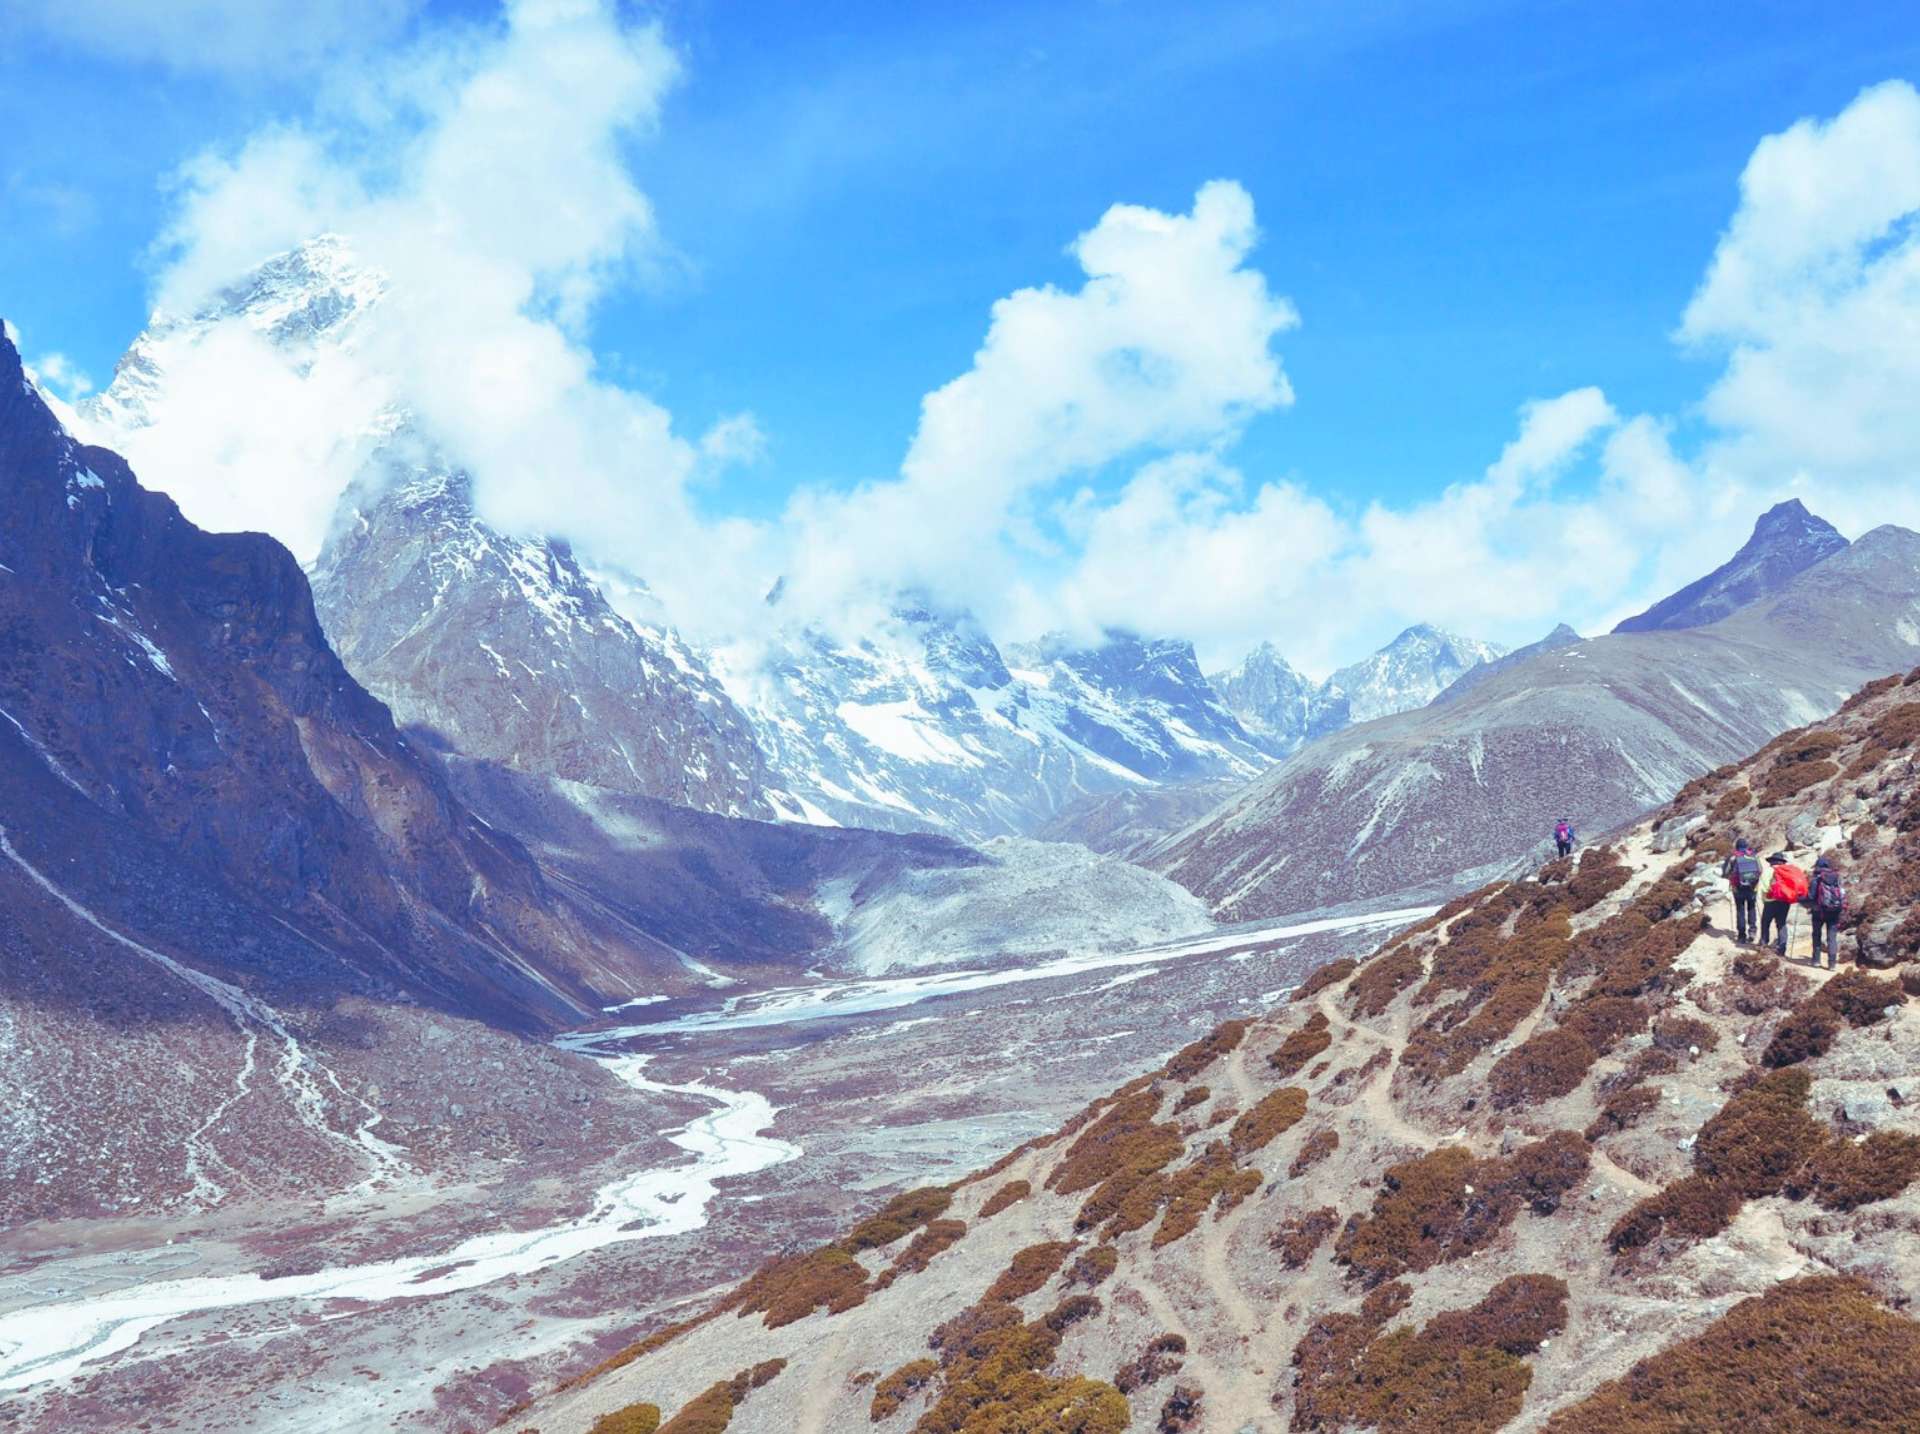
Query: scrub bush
x,y
1012,1191
1301,1046
1806,1357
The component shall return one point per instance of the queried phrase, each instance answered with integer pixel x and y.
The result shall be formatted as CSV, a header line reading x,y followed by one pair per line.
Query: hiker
x,y
1742,871
1563,837
1826,902
1789,885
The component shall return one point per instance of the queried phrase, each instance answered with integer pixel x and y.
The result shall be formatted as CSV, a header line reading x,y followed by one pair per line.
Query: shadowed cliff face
x,y
179,680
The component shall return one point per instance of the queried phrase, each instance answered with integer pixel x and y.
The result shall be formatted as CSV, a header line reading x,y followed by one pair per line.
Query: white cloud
x,y
484,174
252,38
1813,299
1168,342
735,439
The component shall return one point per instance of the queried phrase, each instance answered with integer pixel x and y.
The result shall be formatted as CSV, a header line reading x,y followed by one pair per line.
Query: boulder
x,y
1673,835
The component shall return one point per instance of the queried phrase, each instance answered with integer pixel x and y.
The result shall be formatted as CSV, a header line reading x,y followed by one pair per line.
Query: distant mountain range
x,y
1278,704
1597,730
504,648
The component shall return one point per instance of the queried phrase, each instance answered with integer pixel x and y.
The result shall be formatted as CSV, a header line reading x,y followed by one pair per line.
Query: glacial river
x,y
55,1339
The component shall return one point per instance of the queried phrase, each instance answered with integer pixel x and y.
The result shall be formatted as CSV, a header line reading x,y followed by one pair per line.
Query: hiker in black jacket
x,y
1742,871
1827,903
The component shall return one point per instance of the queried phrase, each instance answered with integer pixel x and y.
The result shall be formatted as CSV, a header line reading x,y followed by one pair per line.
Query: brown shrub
x,y
1645,962
634,1419
1125,1140
1069,1312
1693,1207
1162,1356
1788,779
1301,1046
1860,999
1194,1058
1300,1235
897,1217
1601,873
794,1286
937,1236
1094,1267
1605,1021
1272,1116
1008,1194
1181,1412
1876,688
1750,1148
1808,1032
705,1413
893,1391
1463,1372
1028,1270
1761,1136
1317,1147
1806,1357
1844,1175
993,1382
1189,1192
1331,974
1730,804
1516,1316
1545,1066
1373,989
1897,727
1852,997
1325,1359
1682,1033
1190,1097
1622,1109
1424,1214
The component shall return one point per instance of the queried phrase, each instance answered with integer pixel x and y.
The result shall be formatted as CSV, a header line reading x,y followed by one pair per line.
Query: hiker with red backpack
x,y
1787,889
1742,871
1827,902
1563,837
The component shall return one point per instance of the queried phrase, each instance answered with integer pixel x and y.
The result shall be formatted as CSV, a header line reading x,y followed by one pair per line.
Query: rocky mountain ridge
x,y
1453,793
1287,710
504,649
1787,540
1563,1156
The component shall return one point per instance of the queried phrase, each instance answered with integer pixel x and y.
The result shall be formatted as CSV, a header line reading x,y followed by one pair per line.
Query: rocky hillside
x,y
504,649
1786,541
1597,730
1563,1156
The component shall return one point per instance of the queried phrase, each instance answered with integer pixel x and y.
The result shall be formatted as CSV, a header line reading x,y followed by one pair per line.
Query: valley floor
x,y
804,1102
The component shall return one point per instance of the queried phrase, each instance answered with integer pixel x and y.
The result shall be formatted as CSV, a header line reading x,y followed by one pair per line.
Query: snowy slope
x,y
921,723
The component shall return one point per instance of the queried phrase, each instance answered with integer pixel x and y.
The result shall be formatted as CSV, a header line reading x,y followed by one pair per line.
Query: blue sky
x,y
1471,206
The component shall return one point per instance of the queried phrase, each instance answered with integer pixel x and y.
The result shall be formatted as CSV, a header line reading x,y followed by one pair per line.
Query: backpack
x,y
1563,832
1829,896
1746,872
1789,884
